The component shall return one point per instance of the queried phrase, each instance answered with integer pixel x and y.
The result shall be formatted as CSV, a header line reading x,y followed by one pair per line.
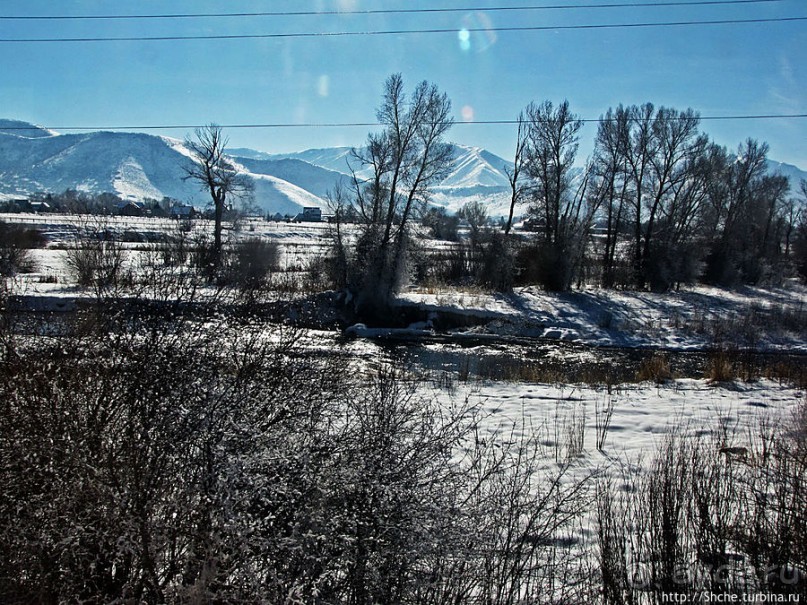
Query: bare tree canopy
x,y
546,151
406,160
216,174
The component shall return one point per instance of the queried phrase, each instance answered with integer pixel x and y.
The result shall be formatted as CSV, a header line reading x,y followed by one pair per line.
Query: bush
x,y
547,265
708,516
655,368
668,266
250,263
441,225
203,257
498,263
97,261
720,368
15,245
211,463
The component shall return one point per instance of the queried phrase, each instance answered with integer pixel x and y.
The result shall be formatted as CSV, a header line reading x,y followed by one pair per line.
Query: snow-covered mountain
x,y
795,175
133,166
477,174
138,166
23,129
314,179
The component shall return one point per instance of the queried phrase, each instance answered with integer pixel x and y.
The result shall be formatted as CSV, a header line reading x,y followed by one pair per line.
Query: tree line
x,y
657,205
669,205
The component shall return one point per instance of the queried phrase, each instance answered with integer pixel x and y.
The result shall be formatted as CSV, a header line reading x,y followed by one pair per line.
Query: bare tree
x,y
518,186
744,214
610,172
648,168
800,235
477,216
560,204
216,174
552,149
406,159
676,146
639,152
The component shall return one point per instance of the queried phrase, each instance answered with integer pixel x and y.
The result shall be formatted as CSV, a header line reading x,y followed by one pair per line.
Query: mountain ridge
x,y
137,166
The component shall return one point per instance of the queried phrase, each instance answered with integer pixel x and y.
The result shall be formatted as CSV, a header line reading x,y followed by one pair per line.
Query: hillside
x,y
133,166
137,166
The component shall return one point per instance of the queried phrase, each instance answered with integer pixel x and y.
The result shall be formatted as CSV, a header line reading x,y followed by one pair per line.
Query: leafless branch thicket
x,y
711,515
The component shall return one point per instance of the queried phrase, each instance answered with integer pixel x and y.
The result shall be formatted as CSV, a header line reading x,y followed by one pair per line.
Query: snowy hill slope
x,y
473,166
133,166
336,159
23,129
314,179
478,175
795,175
137,166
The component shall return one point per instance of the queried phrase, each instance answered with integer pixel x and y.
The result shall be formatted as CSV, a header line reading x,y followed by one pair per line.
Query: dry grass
x,y
719,368
655,368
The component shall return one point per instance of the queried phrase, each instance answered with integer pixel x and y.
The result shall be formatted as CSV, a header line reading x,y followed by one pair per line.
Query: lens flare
x,y
467,113
477,32
323,85
464,37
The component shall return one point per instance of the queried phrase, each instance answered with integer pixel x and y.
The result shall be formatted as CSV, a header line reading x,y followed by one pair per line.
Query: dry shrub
x,y
720,368
250,263
790,371
655,368
16,243
97,262
708,517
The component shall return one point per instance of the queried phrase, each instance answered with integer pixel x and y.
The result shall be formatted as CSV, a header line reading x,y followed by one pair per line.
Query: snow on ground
x,y
561,417
693,318
642,414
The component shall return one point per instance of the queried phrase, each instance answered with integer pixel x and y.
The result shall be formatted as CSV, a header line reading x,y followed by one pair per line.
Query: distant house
x,y
310,214
39,207
156,211
182,211
131,209
15,205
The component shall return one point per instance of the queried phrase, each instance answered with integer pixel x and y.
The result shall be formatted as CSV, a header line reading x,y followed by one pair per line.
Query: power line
x,y
535,28
281,125
403,11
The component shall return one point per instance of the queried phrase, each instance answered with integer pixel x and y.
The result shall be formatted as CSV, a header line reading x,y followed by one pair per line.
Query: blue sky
x,y
715,69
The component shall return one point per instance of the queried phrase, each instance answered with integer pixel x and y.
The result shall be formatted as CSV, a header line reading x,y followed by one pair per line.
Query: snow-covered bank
x,y
695,318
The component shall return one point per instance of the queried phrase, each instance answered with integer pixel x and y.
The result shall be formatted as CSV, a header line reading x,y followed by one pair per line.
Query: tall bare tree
x,y
518,184
215,174
551,152
800,235
610,172
559,198
406,160
745,204
677,145
640,151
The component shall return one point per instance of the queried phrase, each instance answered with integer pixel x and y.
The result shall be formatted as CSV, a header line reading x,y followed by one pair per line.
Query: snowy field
x,y
694,318
691,319
621,426
593,321
560,372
